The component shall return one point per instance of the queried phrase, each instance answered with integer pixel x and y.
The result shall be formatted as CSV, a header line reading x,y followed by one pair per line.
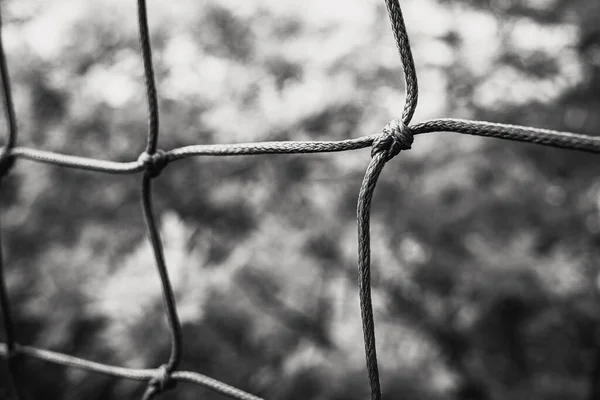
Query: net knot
x,y
154,163
7,161
396,136
162,381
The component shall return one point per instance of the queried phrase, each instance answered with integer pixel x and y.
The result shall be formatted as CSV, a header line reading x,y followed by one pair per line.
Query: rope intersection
x,y
395,137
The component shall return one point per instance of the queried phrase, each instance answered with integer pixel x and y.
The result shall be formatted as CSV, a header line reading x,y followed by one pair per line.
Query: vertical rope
x,y
364,270
397,136
153,122
154,162
6,162
408,63
168,296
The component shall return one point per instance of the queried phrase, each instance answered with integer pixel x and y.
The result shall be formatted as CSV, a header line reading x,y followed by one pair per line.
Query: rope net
x,y
396,136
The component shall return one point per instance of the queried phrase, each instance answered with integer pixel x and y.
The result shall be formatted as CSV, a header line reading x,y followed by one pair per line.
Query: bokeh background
x,y
485,252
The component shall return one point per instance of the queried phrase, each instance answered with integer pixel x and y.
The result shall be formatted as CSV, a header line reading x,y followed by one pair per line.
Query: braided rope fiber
x,y
397,135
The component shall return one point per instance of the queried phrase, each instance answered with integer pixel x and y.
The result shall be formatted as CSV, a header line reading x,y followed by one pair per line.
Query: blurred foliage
x,y
484,251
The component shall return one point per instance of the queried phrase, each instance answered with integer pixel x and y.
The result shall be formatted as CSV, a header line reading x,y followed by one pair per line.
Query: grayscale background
x,y
485,252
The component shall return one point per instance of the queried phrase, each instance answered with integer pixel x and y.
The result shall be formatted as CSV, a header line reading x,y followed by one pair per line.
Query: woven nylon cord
x,y
154,162
149,77
408,64
396,136
545,137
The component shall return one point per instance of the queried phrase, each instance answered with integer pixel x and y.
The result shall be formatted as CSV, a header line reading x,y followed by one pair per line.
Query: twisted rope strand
x,y
146,49
167,290
154,162
408,63
76,162
397,136
365,197
545,137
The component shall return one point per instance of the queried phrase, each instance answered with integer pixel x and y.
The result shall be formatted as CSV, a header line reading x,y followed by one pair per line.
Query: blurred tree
x,y
484,251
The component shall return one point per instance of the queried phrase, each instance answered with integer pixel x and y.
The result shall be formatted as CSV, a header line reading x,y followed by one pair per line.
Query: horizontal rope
x,y
128,373
546,137
85,163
